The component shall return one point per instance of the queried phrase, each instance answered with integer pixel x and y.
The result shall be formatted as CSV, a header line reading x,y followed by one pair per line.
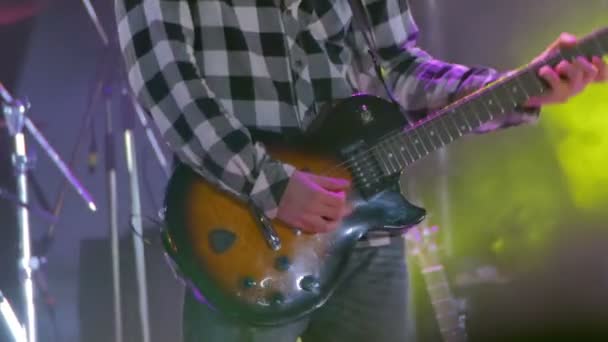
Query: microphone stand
x,y
130,108
14,115
136,217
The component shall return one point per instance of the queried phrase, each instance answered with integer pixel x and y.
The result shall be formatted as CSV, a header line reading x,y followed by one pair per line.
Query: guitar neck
x,y
470,112
444,307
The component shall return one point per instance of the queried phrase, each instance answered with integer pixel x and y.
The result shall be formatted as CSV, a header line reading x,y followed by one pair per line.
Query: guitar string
x,y
367,155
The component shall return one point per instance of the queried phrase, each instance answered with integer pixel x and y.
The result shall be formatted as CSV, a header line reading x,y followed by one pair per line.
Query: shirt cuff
x,y
270,186
521,116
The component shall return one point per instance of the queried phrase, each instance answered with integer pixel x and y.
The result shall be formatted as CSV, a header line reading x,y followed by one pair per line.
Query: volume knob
x,y
310,283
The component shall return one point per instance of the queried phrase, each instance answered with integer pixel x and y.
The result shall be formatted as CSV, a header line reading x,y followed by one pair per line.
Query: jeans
x,y
371,304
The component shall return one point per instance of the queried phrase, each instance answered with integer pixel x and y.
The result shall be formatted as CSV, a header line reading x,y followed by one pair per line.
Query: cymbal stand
x,y
14,114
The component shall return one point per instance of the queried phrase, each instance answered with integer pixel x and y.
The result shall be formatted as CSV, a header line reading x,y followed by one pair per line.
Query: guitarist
x,y
218,76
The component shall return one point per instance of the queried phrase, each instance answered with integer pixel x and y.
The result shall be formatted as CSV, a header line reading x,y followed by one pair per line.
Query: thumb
x,y
565,40
332,184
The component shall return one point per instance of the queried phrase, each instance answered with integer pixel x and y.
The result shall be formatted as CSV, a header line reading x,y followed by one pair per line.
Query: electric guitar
x,y
421,244
264,272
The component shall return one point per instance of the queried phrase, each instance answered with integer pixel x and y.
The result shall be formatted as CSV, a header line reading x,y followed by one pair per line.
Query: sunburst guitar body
x,y
264,272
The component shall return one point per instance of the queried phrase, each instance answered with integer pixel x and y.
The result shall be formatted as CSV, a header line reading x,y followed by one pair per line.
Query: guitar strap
x,y
362,22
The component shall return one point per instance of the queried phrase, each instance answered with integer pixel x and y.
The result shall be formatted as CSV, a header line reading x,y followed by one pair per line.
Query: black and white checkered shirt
x,y
210,70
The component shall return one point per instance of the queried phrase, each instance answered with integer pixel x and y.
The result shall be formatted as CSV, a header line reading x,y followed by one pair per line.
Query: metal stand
x,y
14,114
113,214
106,80
136,221
16,329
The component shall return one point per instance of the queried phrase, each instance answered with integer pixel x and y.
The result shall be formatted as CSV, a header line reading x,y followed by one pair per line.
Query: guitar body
x,y
264,272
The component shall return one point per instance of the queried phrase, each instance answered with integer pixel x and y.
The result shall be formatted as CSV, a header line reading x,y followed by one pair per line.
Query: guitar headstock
x,y
421,240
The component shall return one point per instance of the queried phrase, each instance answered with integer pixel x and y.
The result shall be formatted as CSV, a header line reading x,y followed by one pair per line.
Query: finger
x,y
332,225
589,70
602,69
574,76
332,184
563,41
331,199
569,72
332,213
559,87
315,224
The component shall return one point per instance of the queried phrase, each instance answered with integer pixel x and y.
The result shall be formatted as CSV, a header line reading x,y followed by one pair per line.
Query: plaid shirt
x,y
209,70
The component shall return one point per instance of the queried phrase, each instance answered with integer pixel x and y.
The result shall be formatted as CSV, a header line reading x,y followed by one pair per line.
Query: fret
x,y
418,143
434,275
432,269
593,46
567,54
578,51
491,106
416,153
379,155
439,292
452,125
398,154
391,155
516,94
443,284
602,43
505,98
469,112
479,110
395,148
460,119
448,320
388,157
531,83
554,58
424,137
442,132
443,304
404,149
431,131
450,129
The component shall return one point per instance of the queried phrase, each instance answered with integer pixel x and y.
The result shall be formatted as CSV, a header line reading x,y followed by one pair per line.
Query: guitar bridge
x,y
270,234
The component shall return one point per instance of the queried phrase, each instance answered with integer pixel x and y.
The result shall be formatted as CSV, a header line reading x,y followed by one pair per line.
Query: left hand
x,y
567,79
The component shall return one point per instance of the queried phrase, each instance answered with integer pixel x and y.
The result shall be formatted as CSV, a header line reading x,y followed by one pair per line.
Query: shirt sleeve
x,y
419,82
157,41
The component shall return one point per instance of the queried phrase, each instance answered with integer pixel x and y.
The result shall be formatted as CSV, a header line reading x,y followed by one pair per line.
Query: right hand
x,y
314,204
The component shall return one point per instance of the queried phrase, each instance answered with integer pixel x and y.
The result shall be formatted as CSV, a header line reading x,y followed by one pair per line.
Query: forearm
x,y
164,75
419,82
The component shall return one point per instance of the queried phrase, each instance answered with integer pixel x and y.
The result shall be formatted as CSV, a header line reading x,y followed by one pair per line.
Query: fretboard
x,y
444,307
467,114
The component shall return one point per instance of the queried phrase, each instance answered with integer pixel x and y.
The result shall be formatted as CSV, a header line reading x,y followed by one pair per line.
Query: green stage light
x,y
579,132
